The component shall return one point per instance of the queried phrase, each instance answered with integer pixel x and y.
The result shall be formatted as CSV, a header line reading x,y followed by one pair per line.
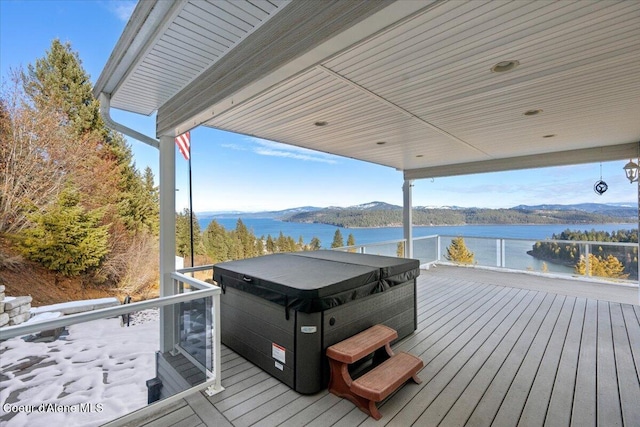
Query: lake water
x,y
266,226
484,250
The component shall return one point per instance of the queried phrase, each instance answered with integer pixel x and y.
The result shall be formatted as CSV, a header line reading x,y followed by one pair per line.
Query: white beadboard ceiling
x,y
405,84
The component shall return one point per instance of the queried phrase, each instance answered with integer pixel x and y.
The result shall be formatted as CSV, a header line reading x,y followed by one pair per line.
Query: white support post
x,y
407,217
167,190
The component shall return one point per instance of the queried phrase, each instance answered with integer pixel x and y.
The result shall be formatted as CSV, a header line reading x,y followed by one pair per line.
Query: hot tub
x,y
282,311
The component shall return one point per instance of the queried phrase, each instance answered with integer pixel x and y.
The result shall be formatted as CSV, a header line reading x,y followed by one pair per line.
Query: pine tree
x,y
271,245
282,243
338,242
602,267
183,235
101,167
247,240
216,242
458,252
66,238
58,79
351,241
314,245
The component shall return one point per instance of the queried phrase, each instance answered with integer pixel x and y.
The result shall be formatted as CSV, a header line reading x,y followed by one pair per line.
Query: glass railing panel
x,y
91,368
85,374
194,329
426,249
529,255
611,261
484,250
394,248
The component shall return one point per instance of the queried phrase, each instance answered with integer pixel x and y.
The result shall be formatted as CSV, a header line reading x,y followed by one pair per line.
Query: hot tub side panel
x,y
293,350
259,331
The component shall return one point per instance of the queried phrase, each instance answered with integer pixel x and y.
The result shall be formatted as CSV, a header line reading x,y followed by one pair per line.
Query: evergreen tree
x,y
247,240
338,242
183,235
216,242
101,168
282,243
351,241
301,246
271,245
59,79
602,267
314,245
260,246
458,252
66,237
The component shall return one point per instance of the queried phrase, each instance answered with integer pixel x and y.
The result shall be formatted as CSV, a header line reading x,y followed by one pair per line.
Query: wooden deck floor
x,y
494,355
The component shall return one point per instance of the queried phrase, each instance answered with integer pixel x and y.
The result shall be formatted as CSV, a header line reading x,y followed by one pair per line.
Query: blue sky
x,y
235,172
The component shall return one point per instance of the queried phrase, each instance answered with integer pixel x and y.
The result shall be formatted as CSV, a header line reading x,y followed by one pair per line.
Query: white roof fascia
x,y
560,158
148,21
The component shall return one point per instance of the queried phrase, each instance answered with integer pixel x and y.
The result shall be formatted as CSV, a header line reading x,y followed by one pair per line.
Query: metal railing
x,y
198,303
387,248
519,254
198,325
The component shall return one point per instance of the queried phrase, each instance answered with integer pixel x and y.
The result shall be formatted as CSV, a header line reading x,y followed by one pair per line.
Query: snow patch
x,y
99,365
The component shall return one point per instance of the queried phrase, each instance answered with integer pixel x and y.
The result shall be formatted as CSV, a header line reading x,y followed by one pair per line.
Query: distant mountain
x,y
382,214
379,214
371,206
618,210
286,213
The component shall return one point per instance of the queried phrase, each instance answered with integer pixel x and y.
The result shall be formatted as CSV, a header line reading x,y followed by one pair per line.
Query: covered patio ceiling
x,y
405,84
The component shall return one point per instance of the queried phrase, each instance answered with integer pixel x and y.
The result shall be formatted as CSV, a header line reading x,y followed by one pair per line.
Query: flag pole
x,y
183,142
190,208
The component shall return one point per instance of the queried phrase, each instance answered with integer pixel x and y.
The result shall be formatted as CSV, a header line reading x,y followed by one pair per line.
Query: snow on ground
x,y
92,375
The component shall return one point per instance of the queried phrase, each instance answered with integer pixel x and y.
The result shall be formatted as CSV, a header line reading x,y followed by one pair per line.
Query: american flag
x,y
184,144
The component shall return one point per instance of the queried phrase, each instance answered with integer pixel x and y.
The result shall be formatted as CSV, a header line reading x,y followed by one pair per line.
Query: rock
x,y
17,302
1,307
16,320
2,289
19,310
4,319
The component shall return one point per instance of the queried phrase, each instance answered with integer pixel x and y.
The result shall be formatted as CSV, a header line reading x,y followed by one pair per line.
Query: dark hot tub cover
x,y
314,281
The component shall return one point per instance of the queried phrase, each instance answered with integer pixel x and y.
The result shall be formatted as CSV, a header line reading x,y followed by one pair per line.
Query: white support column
x,y
407,217
167,189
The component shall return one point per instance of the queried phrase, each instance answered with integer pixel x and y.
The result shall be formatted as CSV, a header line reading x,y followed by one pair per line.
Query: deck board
x,y
584,400
493,353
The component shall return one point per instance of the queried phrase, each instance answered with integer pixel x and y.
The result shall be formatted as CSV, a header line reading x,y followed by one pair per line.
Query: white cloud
x,y
122,9
264,147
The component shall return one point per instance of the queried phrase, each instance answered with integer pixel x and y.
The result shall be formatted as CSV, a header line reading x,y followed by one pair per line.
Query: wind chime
x,y
600,186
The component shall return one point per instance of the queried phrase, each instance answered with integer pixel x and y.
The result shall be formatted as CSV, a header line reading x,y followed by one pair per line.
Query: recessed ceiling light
x,y
321,123
381,142
532,112
551,135
503,66
419,155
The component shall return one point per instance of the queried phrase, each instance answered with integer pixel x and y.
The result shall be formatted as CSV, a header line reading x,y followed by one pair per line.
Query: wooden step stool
x,y
377,384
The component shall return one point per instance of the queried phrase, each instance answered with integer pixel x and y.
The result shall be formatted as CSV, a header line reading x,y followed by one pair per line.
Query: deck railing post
x,y
438,242
587,261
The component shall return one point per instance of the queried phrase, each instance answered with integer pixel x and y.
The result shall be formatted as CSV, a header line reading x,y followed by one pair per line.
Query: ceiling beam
x,y
560,158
